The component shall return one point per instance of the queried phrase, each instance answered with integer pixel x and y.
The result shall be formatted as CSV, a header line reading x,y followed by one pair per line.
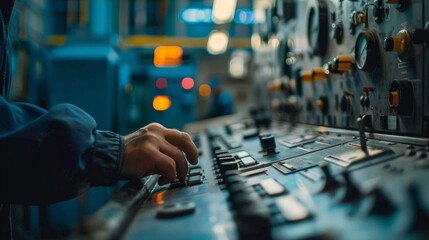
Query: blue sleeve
x,y
48,156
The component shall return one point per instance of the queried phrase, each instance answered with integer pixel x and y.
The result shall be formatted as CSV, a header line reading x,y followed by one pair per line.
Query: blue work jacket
x,y
49,156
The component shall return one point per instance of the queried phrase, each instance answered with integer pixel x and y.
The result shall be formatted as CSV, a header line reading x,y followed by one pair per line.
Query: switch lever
x,y
361,123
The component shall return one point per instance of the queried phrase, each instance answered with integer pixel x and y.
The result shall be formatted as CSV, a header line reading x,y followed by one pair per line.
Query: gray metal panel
x,y
86,76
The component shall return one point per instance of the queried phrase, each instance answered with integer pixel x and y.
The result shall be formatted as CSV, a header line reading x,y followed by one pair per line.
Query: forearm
x,y
48,156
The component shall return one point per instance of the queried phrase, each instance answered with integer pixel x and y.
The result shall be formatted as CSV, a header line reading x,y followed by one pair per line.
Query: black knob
x,y
262,135
233,179
381,203
420,36
236,188
367,103
345,104
241,197
263,120
225,159
225,166
218,152
222,158
352,193
331,183
323,104
253,221
364,101
389,44
223,155
421,218
254,111
268,145
309,105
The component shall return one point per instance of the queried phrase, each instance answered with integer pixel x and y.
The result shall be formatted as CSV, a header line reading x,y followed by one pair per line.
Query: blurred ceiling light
x,y
196,15
217,42
244,16
223,11
274,42
238,64
236,68
259,15
255,41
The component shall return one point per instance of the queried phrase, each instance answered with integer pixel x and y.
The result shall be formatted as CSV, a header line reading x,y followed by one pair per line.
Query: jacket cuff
x,y
106,164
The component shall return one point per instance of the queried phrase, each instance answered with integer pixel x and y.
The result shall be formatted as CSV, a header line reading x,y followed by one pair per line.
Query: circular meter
x,y
318,27
367,53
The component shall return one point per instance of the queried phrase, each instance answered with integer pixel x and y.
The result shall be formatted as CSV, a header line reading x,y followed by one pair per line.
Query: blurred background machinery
x,y
329,133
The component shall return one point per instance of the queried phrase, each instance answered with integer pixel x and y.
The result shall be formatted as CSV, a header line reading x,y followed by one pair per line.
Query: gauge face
x,y
366,51
361,51
318,28
313,28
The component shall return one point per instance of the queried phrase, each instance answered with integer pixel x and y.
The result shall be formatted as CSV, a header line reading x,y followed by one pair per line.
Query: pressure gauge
x,y
318,27
367,53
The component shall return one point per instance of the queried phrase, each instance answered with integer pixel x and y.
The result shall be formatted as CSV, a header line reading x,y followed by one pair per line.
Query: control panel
x,y
336,147
340,60
289,181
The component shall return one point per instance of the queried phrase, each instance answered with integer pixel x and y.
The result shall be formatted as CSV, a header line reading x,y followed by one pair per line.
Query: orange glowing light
x,y
204,90
161,103
167,56
159,198
187,83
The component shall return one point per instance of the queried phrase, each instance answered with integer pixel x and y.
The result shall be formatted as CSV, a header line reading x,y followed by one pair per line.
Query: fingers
x,y
165,166
184,142
179,139
162,152
178,157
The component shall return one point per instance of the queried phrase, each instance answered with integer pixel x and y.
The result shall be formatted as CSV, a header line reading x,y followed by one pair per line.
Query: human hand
x,y
154,149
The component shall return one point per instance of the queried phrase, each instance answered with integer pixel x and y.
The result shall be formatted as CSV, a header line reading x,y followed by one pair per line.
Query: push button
x,y
271,187
291,209
195,171
242,154
247,161
176,210
195,180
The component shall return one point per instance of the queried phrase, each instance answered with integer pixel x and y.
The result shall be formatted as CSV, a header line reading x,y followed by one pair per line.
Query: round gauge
x,y
318,27
367,52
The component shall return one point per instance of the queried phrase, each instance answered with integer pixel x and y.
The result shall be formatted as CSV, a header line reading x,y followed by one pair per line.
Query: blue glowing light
x,y
204,15
244,16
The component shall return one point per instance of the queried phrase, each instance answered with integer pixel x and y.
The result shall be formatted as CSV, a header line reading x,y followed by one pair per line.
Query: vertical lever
x,y
361,123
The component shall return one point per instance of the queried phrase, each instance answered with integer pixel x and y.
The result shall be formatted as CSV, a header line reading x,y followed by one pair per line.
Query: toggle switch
x,y
342,63
306,76
319,73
